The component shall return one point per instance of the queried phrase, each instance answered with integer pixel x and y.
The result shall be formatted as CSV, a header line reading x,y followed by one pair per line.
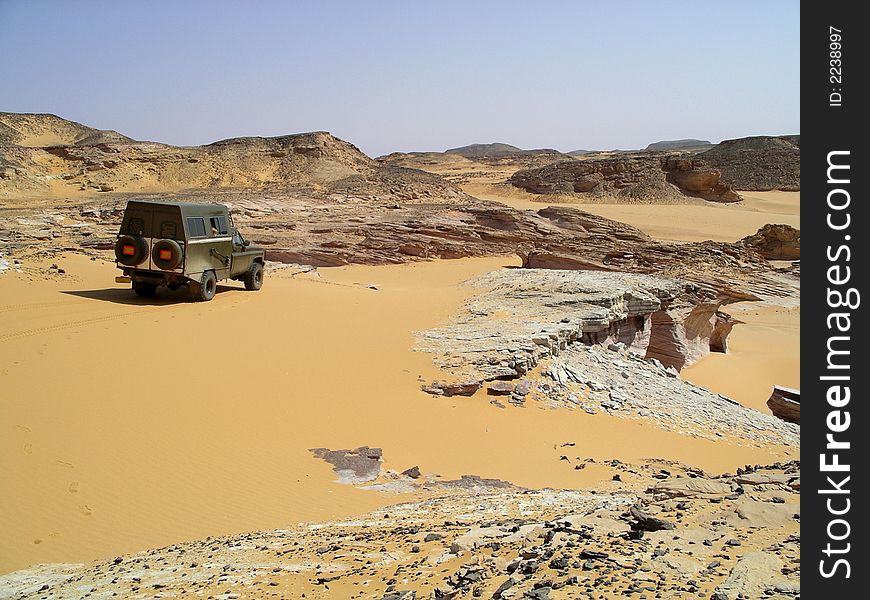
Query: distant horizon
x,y
713,142
398,77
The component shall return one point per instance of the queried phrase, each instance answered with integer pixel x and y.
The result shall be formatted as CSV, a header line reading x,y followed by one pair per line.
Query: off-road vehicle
x,y
184,244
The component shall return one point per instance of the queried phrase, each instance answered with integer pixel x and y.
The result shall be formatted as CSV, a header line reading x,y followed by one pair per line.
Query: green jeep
x,y
184,243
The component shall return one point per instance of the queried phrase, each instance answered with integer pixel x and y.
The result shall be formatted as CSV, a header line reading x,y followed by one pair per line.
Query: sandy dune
x,y
103,456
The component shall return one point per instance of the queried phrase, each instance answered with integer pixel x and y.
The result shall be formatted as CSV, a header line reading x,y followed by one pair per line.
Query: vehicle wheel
x,y
167,254
131,250
145,290
254,277
206,288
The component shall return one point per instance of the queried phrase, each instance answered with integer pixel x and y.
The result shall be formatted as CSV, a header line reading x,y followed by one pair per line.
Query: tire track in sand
x,y
35,331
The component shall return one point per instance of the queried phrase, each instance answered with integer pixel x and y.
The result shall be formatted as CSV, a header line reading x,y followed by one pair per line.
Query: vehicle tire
x,y
254,277
206,288
144,289
131,250
175,254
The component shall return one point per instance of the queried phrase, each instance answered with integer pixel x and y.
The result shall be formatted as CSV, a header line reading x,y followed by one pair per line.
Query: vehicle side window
x,y
218,225
196,227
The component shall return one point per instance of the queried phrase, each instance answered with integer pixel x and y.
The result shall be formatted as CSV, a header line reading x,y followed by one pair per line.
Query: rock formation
x,y
785,403
492,150
686,329
758,163
323,229
776,242
457,163
637,176
480,538
601,341
541,313
488,152
671,145
40,130
82,161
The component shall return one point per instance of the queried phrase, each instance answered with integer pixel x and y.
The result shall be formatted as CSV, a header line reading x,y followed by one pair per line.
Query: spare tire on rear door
x,y
167,254
131,250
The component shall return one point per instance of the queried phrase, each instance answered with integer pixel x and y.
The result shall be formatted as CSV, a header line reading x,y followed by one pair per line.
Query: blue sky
x,y
402,75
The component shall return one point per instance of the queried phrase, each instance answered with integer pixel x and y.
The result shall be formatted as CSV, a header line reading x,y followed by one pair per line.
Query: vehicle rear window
x,y
196,227
168,229
152,220
135,226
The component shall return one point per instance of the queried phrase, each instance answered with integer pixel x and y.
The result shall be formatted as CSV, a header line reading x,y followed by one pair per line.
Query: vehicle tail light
x,y
166,255
129,250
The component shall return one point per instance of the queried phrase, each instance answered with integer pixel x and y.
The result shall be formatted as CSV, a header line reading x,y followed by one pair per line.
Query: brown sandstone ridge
x,y
487,158
318,229
638,176
758,163
38,130
45,156
776,242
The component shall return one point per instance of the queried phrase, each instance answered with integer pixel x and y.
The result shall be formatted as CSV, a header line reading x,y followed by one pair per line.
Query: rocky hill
x,y
43,155
671,145
497,150
485,150
630,176
36,130
758,163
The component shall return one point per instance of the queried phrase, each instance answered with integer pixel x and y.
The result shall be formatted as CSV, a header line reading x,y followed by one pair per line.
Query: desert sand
x,y
292,421
104,457
690,222
764,349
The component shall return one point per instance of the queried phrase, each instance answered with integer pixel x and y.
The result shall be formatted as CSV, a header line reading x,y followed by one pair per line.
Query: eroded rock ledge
x,y
521,316
602,341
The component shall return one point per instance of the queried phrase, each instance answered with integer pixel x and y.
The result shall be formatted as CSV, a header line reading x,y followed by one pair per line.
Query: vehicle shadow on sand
x,y
127,296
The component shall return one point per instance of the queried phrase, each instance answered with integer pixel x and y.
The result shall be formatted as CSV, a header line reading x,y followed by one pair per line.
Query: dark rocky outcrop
x,y
634,176
485,150
671,145
758,163
496,151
